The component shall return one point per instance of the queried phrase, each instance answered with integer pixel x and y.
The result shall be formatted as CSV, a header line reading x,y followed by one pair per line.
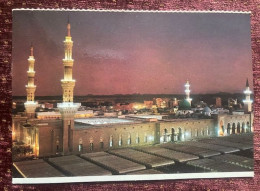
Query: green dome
x,y
184,105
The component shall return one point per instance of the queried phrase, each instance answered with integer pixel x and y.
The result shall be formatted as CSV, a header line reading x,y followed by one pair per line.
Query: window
x,y
137,140
80,147
111,141
129,139
120,140
101,145
91,147
145,137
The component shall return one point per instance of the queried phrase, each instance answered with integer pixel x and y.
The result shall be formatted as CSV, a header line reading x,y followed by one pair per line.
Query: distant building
x,y
218,102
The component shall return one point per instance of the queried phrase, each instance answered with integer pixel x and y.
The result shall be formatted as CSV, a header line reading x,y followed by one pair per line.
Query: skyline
x,y
126,52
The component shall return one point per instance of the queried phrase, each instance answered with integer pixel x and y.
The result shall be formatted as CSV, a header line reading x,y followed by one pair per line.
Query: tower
x,y
30,105
67,107
187,92
247,101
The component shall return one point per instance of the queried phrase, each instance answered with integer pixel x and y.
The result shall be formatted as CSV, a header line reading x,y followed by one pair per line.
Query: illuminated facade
x,y
247,102
187,92
30,104
68,108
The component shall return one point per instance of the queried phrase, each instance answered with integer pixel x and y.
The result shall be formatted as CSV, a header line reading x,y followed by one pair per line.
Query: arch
x,y
233,128
129,139
111,141
173,136
165,135
248,128
137,140
228,128
120,140
179,134
238,127
221,128
243,127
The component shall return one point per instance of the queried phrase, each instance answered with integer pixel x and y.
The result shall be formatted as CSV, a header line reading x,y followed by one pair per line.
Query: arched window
x,y
228,128
101,143
120,140
243,127
111,141
173,135
238,127
248,128
137,140
165,135
145,137
129,139
233,128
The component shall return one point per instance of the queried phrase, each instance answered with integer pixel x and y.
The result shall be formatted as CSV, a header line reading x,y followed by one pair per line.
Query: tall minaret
x,y
247,101
68,108
187,92
30,104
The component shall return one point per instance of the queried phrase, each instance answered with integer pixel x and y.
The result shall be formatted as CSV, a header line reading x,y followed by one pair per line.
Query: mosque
x,y
70,131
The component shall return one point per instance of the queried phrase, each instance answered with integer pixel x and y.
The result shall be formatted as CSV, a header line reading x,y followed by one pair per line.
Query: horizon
x,y
127,54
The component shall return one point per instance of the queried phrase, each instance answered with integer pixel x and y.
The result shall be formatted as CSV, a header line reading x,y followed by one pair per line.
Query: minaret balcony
x,y
31,73
30,86
31,58
68,62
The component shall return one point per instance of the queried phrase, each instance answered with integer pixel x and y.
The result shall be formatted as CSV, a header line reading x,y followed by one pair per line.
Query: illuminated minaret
x,y
68,108
187,92
30,104
247,101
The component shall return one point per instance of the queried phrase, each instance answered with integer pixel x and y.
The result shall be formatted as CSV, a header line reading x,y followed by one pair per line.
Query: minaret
x,y
30,104
247,101
68,108
187,92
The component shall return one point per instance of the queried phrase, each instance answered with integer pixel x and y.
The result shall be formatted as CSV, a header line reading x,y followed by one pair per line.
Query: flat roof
x,y
115,163
159,117
37,168
103,121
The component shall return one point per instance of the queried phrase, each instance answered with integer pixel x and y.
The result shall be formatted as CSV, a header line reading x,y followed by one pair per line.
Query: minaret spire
x,y
30,104
187,92
247,84
68,26
31,49
247,102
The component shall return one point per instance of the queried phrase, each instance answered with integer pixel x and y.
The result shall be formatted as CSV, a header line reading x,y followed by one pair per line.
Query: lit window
x,y
80,147
111,141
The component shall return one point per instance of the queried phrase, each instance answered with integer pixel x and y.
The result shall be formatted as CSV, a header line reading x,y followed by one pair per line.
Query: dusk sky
x,y
126,53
